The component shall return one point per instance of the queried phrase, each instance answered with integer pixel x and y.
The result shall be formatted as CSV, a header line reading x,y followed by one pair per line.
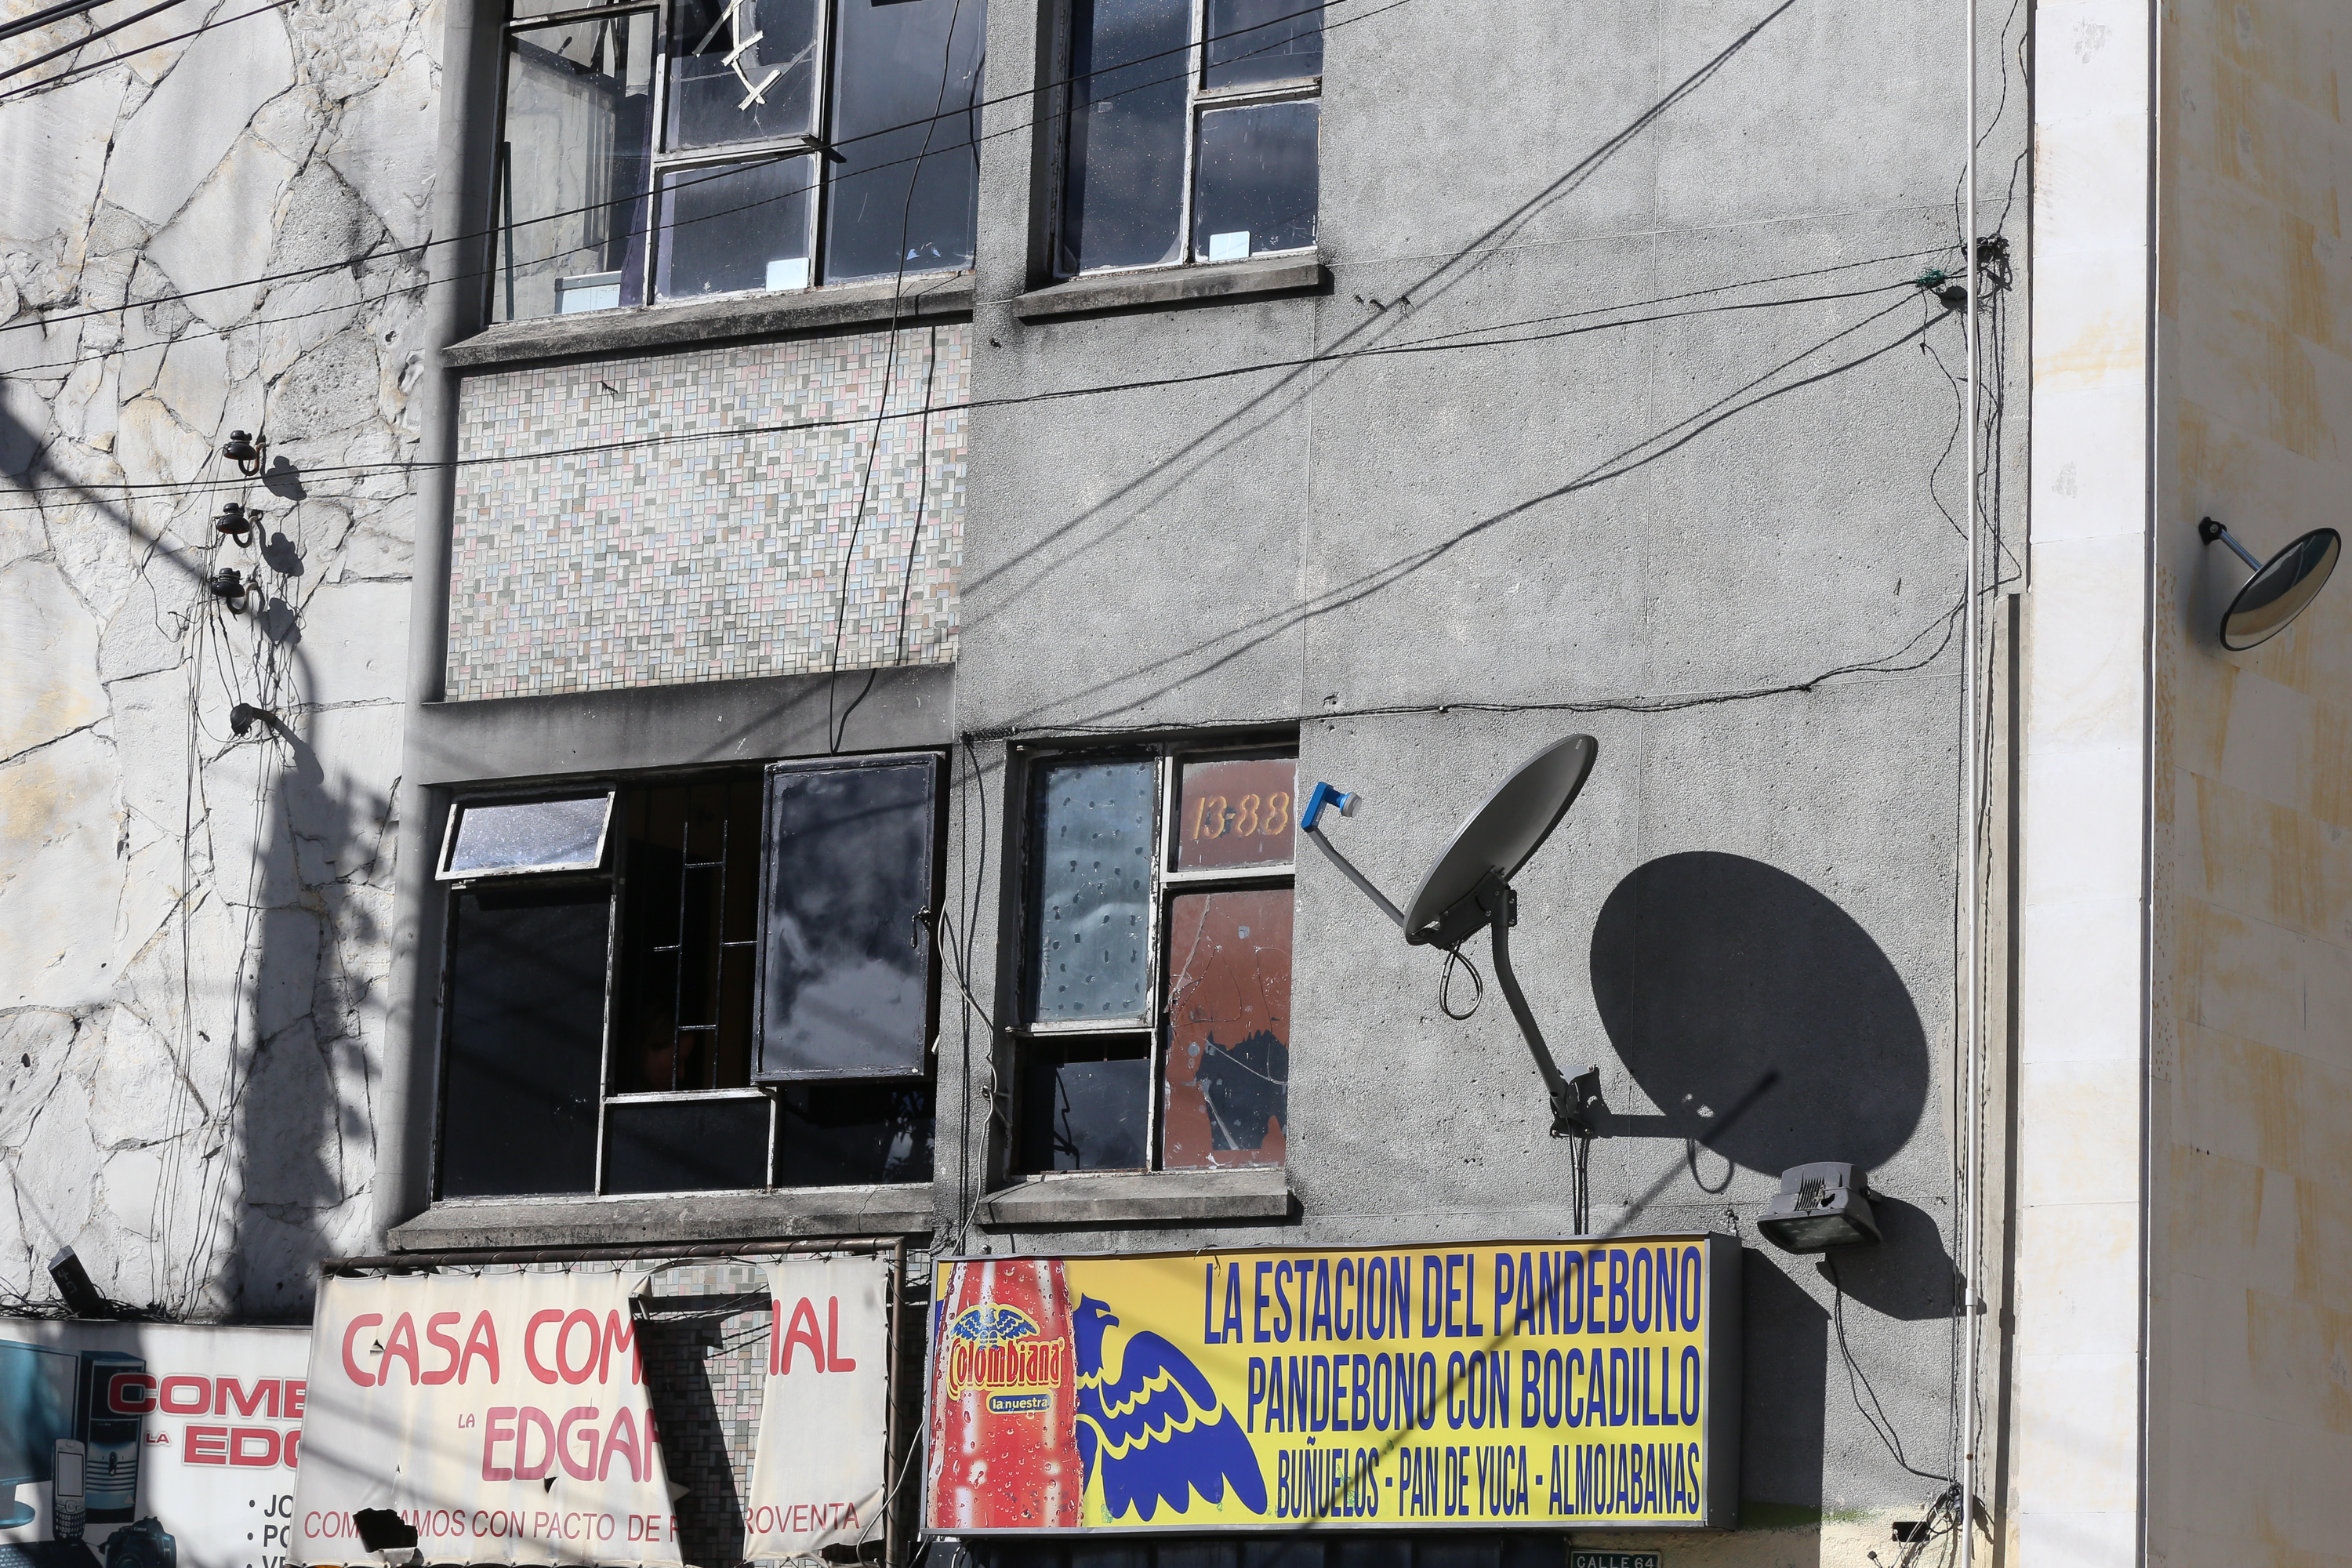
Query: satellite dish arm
x,y
1329,797
1568,1100
1347,871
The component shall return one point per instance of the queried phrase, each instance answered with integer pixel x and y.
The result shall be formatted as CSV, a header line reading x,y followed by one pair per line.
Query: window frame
x,y
1199,100
814,145
612,873
1168,757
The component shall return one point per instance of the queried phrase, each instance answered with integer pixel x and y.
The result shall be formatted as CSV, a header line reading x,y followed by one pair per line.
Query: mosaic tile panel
x,y
685,517
706,1373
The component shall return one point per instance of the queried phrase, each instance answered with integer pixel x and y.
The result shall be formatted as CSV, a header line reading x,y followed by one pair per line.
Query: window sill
x,y
592,333
898,1209
1116,292
1142,1197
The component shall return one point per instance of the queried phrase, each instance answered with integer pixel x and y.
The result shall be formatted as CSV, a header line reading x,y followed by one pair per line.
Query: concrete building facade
x,y
759,531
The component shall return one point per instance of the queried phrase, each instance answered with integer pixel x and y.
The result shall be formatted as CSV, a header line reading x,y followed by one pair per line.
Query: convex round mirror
x,y
2281,588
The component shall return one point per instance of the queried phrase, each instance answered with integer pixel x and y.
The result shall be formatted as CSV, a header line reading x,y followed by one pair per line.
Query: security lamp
x,y
81,1298
1819,1206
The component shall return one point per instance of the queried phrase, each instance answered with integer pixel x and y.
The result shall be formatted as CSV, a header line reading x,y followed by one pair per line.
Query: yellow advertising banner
x,y
1457,1385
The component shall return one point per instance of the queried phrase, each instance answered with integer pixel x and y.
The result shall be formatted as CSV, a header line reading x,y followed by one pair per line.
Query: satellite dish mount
x,y
1470,887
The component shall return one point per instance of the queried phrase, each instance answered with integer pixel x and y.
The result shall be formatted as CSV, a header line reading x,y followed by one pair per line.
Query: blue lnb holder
x,y
1324,794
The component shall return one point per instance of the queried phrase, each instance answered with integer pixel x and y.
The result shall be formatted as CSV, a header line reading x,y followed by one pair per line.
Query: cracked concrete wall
x,y
195,923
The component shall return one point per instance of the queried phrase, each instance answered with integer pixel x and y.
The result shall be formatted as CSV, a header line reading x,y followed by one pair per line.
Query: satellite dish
x,y
1501,834
2281,588
1470,887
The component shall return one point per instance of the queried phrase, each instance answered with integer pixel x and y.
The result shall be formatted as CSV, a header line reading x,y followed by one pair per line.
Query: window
x,y
673,150
721,983
1191,132
1155,1004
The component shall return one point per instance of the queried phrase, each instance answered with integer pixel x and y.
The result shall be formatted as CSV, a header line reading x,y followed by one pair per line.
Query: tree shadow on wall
x,y
1729,985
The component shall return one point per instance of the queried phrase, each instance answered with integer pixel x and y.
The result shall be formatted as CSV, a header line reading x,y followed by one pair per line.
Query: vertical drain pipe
x,y
1971,1009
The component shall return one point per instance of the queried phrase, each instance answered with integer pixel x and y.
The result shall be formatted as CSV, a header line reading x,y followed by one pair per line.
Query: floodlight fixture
x,y
1470,887
1820,1206
2281,588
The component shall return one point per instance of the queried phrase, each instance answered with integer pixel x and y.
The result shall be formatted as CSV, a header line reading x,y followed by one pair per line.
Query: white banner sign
x,y
186,1435
817,1477
503,1416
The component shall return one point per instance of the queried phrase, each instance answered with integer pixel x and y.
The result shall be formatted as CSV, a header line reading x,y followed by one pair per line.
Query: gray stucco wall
x,y
1704,510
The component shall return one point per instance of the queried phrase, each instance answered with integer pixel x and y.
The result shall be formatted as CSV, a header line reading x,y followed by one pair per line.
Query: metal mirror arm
x,y
2209,531
1570,1101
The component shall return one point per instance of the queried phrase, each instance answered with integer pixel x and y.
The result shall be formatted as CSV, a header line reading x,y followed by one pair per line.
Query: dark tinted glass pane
x,y
526,1031
573,168
1262,40
847,966
1254,187
732,226
1235,811
741,70
904,197
1084,1104
540,833
837,1134
685,1145
1228,1075
1124,202
1090,889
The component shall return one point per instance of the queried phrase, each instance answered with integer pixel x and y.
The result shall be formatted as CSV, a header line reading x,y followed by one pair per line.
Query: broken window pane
x,y
1251,41
538,836
1090,895
1254,187
572,167
716,1144
1085,1104
904,197
733,227
847,989
1235,811
1123,203
841,1134
688,949
526,1021
741,70
1228,1077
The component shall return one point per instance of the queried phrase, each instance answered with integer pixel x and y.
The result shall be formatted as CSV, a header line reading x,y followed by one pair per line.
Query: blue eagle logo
x,y
1156,1428
993,1323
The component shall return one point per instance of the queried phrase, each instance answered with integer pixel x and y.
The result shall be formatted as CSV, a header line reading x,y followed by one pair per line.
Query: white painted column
x,y
2083,991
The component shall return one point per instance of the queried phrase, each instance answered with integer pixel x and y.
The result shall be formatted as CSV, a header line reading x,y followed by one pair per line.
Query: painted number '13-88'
x,y
1255,818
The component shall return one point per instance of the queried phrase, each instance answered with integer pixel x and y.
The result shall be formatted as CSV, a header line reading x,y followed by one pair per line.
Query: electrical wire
x,y
34,21
1858,1381
1446,344
971,109
91,37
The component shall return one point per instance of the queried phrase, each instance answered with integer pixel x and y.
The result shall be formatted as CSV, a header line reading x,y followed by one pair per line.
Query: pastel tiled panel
x,y
706,1358
685,517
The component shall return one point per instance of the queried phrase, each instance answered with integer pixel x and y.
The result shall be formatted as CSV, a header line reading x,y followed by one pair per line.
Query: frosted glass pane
x,y
539,834
1090,898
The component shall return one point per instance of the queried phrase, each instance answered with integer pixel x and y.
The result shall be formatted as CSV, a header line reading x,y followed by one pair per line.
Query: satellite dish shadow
x,y
1759,1016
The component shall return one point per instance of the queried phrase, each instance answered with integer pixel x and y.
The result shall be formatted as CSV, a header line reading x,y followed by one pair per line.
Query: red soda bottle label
x,y
1004,1449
